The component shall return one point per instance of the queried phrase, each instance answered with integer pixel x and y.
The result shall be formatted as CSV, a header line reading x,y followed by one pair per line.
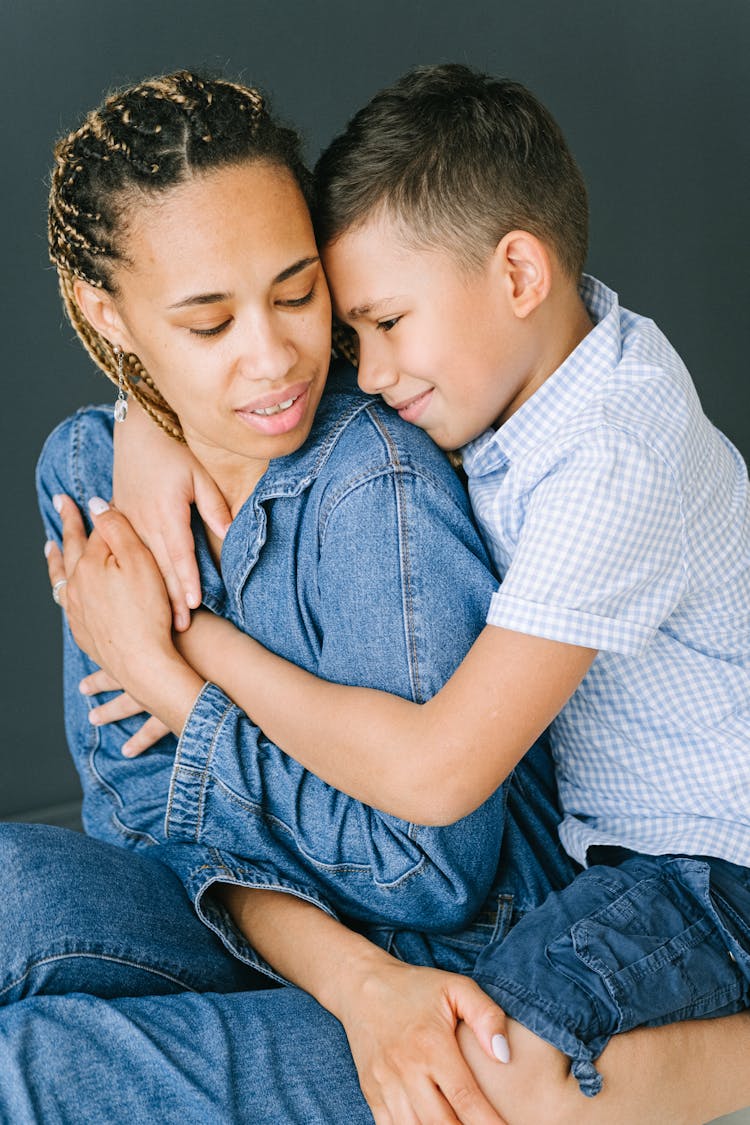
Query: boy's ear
x,y
101,313
527,270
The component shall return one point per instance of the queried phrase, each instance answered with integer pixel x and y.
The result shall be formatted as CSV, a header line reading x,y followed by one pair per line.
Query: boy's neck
x,y
560,323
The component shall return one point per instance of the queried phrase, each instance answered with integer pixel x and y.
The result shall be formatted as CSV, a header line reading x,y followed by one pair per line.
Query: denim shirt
x,y
356,558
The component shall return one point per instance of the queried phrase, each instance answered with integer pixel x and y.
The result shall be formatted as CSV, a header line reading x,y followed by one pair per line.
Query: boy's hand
x,y
156,479
401,1025
122,706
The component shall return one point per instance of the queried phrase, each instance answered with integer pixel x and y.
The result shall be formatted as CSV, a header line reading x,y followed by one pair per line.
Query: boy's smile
x,y
442,344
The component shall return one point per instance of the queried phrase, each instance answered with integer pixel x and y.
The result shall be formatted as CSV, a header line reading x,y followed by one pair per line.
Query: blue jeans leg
x,y
80,915
266,1058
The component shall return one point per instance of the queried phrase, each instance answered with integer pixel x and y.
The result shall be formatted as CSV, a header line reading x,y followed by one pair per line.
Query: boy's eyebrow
x,y
370,307
214,298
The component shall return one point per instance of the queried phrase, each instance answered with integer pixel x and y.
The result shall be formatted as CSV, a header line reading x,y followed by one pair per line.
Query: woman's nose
x,y
265,352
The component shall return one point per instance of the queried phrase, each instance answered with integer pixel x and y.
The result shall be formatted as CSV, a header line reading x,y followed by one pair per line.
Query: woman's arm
x,y
400,1020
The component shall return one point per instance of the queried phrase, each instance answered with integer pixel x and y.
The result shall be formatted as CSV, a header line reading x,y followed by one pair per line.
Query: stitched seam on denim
x,y
294,487
204,771
495,985
334,868
176,766
97,957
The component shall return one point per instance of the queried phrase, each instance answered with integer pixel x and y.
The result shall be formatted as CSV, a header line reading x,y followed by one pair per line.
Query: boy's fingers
x,y
212,506
180,550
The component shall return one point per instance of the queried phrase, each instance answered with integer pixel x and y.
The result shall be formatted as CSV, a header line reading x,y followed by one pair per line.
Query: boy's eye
x,y
387,325
210,331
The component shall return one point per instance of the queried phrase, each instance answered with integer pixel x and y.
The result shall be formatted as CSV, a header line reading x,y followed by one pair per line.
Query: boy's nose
x,y
374,373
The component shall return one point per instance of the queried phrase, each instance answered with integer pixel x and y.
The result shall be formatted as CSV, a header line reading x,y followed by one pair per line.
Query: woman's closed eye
x,y
213,331
387,325
298,302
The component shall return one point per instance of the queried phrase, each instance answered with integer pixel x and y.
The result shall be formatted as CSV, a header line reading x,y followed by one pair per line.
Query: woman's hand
x,y
122,706
401,1025
156,479
119,612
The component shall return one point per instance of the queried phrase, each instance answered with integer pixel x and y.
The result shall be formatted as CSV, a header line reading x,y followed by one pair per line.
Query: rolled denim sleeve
x,y
403,591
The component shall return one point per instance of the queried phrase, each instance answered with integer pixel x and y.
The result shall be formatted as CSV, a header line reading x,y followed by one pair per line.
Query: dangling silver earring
x,y
121,405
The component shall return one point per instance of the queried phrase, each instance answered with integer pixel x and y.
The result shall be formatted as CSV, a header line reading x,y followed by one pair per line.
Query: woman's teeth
x,y
277,408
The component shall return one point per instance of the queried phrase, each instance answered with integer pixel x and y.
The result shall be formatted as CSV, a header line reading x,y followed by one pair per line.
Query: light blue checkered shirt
x,y
619,519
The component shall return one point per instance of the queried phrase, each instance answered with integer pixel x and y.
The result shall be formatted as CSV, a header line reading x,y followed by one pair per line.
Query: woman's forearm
x,y
304,944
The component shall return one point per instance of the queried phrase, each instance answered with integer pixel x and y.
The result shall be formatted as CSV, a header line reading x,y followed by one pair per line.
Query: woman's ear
x,y
101,313
526,265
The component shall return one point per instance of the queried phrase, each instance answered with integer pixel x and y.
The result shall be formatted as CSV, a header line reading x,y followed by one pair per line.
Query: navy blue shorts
x,y
646,941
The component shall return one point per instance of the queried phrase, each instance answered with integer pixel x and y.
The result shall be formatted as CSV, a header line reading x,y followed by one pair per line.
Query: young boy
x,y
453,221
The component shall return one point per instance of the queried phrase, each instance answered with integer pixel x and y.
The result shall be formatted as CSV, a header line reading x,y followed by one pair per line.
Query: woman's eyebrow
x,y
214,298
290,271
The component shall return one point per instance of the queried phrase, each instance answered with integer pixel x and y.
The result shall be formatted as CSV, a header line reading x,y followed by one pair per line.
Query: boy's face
x,y
442,346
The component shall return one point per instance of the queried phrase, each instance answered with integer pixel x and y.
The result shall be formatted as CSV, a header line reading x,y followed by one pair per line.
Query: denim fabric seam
x,y
220,922
184,766
258,810
505,991
92,953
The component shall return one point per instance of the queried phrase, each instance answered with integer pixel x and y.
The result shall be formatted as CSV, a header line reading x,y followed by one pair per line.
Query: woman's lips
x,y
287,408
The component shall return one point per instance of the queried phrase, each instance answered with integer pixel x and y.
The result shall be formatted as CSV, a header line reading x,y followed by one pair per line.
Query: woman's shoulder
x,y
369,437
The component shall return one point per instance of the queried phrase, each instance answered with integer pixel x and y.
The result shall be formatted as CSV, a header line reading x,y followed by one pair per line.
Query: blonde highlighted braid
x,y
142,141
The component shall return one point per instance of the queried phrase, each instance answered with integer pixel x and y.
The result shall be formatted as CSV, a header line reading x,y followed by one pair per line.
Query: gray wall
x,y
651,93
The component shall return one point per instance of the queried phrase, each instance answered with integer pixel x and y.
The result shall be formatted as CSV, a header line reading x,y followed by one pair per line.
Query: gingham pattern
x,y
619,518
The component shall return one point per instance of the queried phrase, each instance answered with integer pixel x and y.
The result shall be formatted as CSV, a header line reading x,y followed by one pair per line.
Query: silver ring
x,y
56,590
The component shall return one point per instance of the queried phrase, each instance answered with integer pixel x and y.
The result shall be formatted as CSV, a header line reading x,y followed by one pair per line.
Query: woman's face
x,y
225,303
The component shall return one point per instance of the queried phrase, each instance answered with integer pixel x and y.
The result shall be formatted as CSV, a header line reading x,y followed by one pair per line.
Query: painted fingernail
x,y
57,503
97,505
48,548
500,1048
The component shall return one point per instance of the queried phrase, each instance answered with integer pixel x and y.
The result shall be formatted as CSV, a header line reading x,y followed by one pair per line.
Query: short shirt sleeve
x,y
598,561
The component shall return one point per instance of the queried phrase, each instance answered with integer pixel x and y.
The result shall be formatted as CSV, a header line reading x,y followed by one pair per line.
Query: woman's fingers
x,y
124,542
147,736
123,706
97,682
56,570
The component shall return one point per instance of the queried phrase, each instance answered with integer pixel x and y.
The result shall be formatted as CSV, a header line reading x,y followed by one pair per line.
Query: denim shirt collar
x,y
288,476
562,396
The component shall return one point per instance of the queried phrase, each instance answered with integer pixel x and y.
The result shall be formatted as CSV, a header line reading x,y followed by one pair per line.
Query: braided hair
x,y
142,141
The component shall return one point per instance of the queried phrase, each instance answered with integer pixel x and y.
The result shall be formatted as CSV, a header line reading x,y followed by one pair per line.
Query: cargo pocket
x,y
655,951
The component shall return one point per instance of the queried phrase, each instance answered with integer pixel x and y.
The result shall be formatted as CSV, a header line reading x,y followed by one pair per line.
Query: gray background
x,y
652,95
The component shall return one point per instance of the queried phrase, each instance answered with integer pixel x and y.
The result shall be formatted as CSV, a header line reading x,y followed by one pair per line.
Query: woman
x,y
205,268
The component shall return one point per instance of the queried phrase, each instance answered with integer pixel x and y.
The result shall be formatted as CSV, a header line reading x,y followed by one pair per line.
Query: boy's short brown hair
x,y
458,158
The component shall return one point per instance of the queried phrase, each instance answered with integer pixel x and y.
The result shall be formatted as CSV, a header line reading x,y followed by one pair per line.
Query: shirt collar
x,y
561,396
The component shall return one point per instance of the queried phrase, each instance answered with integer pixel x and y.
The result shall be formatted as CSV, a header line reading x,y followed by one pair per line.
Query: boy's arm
x,y
466,739
155,480
598,565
